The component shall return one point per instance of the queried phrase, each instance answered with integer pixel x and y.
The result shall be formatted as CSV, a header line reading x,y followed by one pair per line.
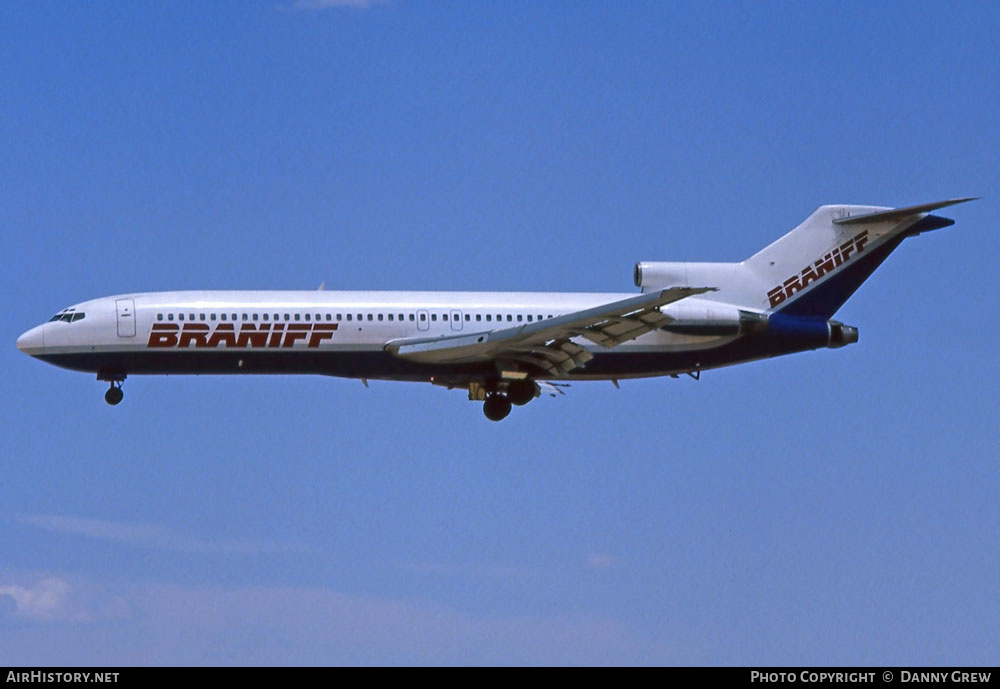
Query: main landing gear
x,y
497,405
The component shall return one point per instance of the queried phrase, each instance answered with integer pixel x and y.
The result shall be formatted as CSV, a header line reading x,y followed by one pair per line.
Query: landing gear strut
x,y
496,407
114,394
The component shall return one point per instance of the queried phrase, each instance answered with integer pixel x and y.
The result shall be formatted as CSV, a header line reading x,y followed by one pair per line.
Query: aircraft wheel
x,y
520,392
113,396
496,407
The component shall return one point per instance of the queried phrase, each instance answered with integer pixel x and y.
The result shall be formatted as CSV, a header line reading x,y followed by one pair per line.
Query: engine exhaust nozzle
x,y
842,335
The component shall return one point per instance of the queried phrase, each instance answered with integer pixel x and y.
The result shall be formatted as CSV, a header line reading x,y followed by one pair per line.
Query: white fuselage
x,y
199,331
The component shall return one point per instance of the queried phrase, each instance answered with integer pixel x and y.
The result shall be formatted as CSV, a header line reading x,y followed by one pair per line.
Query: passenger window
x,y
509,318
180,316
489,317
468,318
434,316
287,317
400,316
444,316
411,316
234,316
380,316
340,316
529,317
423,316
348,316
360,317
519,318
329,317
307,316
170,316
479,316
390,316
201,316
369,317
265,317
159,316
223,316
212,317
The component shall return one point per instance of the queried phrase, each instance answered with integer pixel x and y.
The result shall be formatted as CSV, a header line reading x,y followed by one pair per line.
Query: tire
x,y
496,407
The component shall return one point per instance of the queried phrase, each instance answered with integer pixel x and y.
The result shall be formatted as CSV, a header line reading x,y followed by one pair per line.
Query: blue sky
x,y
834,507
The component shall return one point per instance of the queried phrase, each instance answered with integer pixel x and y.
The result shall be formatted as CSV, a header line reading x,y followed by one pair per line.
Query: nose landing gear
x,y
114,394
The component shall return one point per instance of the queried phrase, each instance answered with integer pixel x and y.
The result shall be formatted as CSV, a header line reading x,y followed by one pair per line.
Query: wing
x,y
547,345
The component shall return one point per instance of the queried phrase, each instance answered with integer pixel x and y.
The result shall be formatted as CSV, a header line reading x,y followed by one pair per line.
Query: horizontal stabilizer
x,y
899,213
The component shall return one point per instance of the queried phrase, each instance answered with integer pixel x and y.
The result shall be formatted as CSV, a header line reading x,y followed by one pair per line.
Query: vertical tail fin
x,y
816,267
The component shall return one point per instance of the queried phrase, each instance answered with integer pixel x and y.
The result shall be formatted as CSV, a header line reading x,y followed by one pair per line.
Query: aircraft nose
x,y
33,340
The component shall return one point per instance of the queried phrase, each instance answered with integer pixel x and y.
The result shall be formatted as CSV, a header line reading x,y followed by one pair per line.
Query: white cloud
x,y
328,4
600,561
55,599
170,624
44,600
292,624
488,571
151,536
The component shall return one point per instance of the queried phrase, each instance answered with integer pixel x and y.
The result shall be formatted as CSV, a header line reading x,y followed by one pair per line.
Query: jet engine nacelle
x,y
698,317
660,273
732,282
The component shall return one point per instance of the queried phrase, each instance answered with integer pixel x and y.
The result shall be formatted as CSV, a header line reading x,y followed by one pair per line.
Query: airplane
x,y
503,348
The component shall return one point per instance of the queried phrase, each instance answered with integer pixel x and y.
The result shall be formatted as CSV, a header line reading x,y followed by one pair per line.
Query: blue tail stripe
x,y
824,299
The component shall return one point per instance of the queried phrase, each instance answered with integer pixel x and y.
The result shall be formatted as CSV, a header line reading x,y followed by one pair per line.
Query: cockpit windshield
x,y
69,316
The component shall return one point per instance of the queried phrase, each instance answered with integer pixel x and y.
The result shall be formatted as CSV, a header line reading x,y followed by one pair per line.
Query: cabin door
x,y
126,317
